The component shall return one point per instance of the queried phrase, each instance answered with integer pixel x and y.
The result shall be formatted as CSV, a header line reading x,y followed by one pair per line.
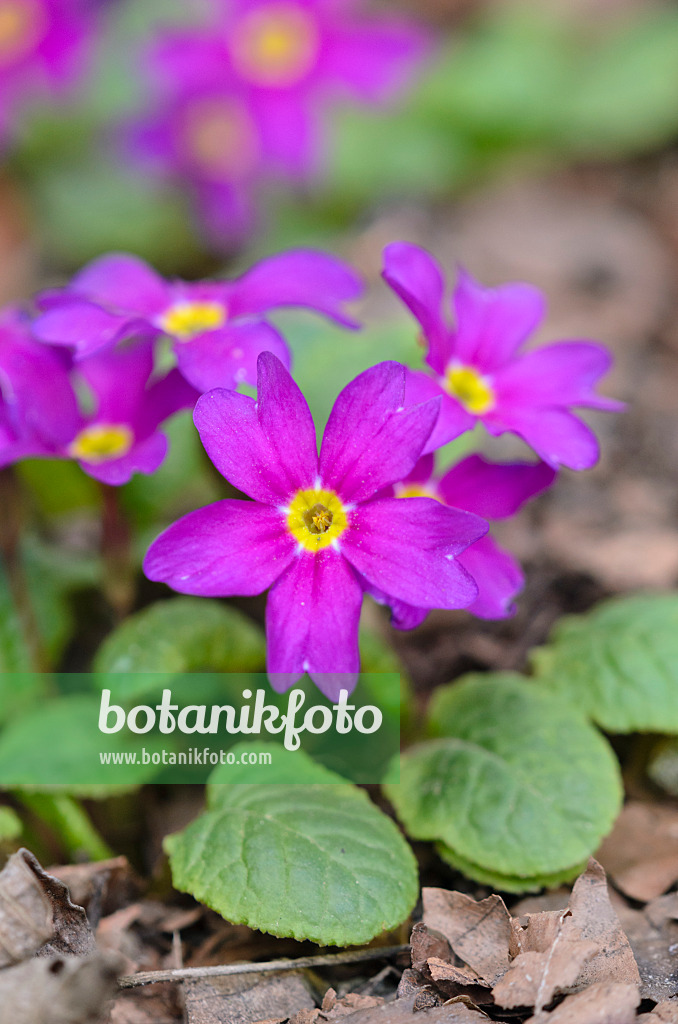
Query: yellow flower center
x,y
316,518
184,320
102,442
21,27
470,388
416,491
220,138
276,45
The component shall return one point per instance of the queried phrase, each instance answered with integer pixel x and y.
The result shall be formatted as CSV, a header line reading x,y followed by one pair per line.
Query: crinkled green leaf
x,y
507,883
517,782
314,861
183,634
618,664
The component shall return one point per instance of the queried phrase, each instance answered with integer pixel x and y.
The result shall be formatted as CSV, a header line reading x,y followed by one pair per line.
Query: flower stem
x,y
11,523
68,819
116,552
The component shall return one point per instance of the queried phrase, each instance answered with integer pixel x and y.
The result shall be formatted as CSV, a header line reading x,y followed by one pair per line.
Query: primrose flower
x,y
116,435
491,490
217,327
243,98
40,50
480,372
317,531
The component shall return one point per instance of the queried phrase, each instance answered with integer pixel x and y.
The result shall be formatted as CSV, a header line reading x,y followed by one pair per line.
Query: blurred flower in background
x,y
42,52
245,100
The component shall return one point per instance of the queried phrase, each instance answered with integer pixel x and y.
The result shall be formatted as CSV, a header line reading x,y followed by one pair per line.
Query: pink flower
x,y
494,491
317,531
217,327
481,373
117,433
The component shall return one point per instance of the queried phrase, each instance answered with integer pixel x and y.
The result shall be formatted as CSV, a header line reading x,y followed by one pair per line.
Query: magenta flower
x,y
41,50
317,530
482,375
243,99
116,435
491,490
217,327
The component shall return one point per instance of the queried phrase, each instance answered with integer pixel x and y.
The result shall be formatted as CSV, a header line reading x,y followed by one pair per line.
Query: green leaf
x,y
518,782
310,861
59,740
507,883
618,664
183,634
14,654
10,824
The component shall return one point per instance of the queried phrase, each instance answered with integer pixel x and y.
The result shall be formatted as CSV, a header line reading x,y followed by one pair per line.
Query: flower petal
x,y
557,375
557,436
290,134
494,490
498,575
301,277
312,619
119,377
266,449
406,547
417,279
34,381
403,616
80,324
123,282
144,457
228,357
453,420
163,399
371,440
230,547
493,322
374,60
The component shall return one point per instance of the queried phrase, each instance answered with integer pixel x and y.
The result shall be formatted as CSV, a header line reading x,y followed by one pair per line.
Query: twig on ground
x,y
221,970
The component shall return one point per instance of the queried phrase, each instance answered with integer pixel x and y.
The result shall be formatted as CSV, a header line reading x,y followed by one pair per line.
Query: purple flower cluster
x,y
241,99
80,379
366,515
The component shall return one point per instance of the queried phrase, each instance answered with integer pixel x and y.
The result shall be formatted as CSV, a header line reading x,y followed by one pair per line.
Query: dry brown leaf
x,y
538,974
641,853
600,1003
663,1013
440,971
58,990
102,887
26,916
457,1011
37,915
595,920
424,944
478,932
246,998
